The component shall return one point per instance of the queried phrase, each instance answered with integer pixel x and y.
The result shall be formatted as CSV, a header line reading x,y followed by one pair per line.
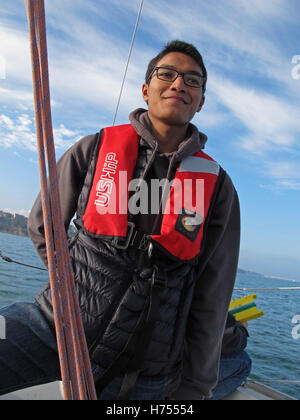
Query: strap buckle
x,y
123,243
134,238
156,280
145,245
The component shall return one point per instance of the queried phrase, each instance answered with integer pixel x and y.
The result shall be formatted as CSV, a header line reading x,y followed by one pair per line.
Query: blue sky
x,y
251,116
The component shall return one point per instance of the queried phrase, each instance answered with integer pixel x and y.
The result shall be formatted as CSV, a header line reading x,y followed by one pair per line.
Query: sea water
x,y
274,342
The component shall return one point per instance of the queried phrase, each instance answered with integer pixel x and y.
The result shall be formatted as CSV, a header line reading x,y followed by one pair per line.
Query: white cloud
x,y
6,121
13,96
289,184
282,170
271,128
19,133
87,64
272,122
64,138
234,35
262,9
85,70
283,173
15,47
279,186
72,72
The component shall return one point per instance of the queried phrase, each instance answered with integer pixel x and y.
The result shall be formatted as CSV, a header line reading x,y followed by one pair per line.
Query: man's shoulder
x,y
86,140
81,150
84,144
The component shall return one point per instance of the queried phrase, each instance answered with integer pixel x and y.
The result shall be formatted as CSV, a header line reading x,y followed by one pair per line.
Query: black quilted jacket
x,y
187,339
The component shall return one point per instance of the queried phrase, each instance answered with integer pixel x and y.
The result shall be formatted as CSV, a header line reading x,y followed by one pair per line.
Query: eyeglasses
x,y
192,79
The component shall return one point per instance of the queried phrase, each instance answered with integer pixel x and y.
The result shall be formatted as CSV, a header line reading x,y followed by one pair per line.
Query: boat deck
x,y
252,390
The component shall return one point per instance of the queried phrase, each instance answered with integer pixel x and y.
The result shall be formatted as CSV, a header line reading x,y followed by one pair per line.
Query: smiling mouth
x,y
176,99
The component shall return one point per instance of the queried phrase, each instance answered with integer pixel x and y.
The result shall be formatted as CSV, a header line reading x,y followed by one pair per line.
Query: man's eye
x,y
193,80
166,74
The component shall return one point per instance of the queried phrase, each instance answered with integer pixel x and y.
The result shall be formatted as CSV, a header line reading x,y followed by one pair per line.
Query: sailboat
x,y
250,390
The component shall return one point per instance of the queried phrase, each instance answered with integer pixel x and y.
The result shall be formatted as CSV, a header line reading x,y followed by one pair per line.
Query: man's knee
x,y
247,363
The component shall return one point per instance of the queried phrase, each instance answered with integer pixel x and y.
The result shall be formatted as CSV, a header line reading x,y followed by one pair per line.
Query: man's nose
x,y
178,83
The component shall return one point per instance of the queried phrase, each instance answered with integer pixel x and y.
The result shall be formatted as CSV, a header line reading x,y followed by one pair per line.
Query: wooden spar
x,y
74,359
59,234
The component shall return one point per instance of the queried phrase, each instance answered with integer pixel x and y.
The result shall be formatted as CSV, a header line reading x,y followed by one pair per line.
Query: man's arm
x,y
71,170
235,336
213,291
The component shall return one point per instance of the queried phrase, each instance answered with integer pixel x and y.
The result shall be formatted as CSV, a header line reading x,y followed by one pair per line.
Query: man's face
x,y
173,103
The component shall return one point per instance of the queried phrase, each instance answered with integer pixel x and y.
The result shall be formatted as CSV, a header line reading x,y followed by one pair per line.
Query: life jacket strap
x,y
134,238
157,285
139,340
123,243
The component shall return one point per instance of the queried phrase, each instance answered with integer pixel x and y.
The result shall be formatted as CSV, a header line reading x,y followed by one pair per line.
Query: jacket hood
x,y
193,143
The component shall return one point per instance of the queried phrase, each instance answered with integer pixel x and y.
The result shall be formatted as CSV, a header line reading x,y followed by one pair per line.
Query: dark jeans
x,y
28,355
234,370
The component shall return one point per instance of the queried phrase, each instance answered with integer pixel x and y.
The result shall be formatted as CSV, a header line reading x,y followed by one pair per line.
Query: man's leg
x,y
145,389
28,351
234,370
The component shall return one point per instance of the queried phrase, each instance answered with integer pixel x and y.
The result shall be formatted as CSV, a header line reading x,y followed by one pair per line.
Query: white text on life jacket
x,y
105,184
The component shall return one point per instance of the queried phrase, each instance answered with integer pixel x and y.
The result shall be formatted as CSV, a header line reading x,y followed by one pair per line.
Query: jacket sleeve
x,y
212,295
235,336
71,171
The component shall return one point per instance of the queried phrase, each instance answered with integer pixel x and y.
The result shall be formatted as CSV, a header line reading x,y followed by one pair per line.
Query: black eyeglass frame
x,y
179,73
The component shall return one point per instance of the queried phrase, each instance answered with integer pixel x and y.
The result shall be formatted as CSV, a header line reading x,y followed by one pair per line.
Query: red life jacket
x,y
186,208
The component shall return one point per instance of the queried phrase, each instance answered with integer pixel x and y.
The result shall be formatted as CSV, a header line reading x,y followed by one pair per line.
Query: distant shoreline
x,y
16,224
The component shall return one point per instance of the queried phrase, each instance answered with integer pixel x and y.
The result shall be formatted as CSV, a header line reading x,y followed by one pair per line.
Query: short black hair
x,y
182,47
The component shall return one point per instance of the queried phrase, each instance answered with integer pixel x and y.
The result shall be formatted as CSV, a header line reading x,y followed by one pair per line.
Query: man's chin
x,y
175,120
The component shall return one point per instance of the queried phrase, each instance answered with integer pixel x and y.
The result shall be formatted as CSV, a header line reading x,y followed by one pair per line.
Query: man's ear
x,y
201,103
145,92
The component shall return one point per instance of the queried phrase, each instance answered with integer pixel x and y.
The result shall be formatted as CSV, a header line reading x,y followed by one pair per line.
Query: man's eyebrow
x,y
169,66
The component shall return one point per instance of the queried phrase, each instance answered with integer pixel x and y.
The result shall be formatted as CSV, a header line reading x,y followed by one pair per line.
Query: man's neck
x,y
168,137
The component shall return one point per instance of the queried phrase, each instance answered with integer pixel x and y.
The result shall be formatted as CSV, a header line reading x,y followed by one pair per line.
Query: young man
x,y
154,268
